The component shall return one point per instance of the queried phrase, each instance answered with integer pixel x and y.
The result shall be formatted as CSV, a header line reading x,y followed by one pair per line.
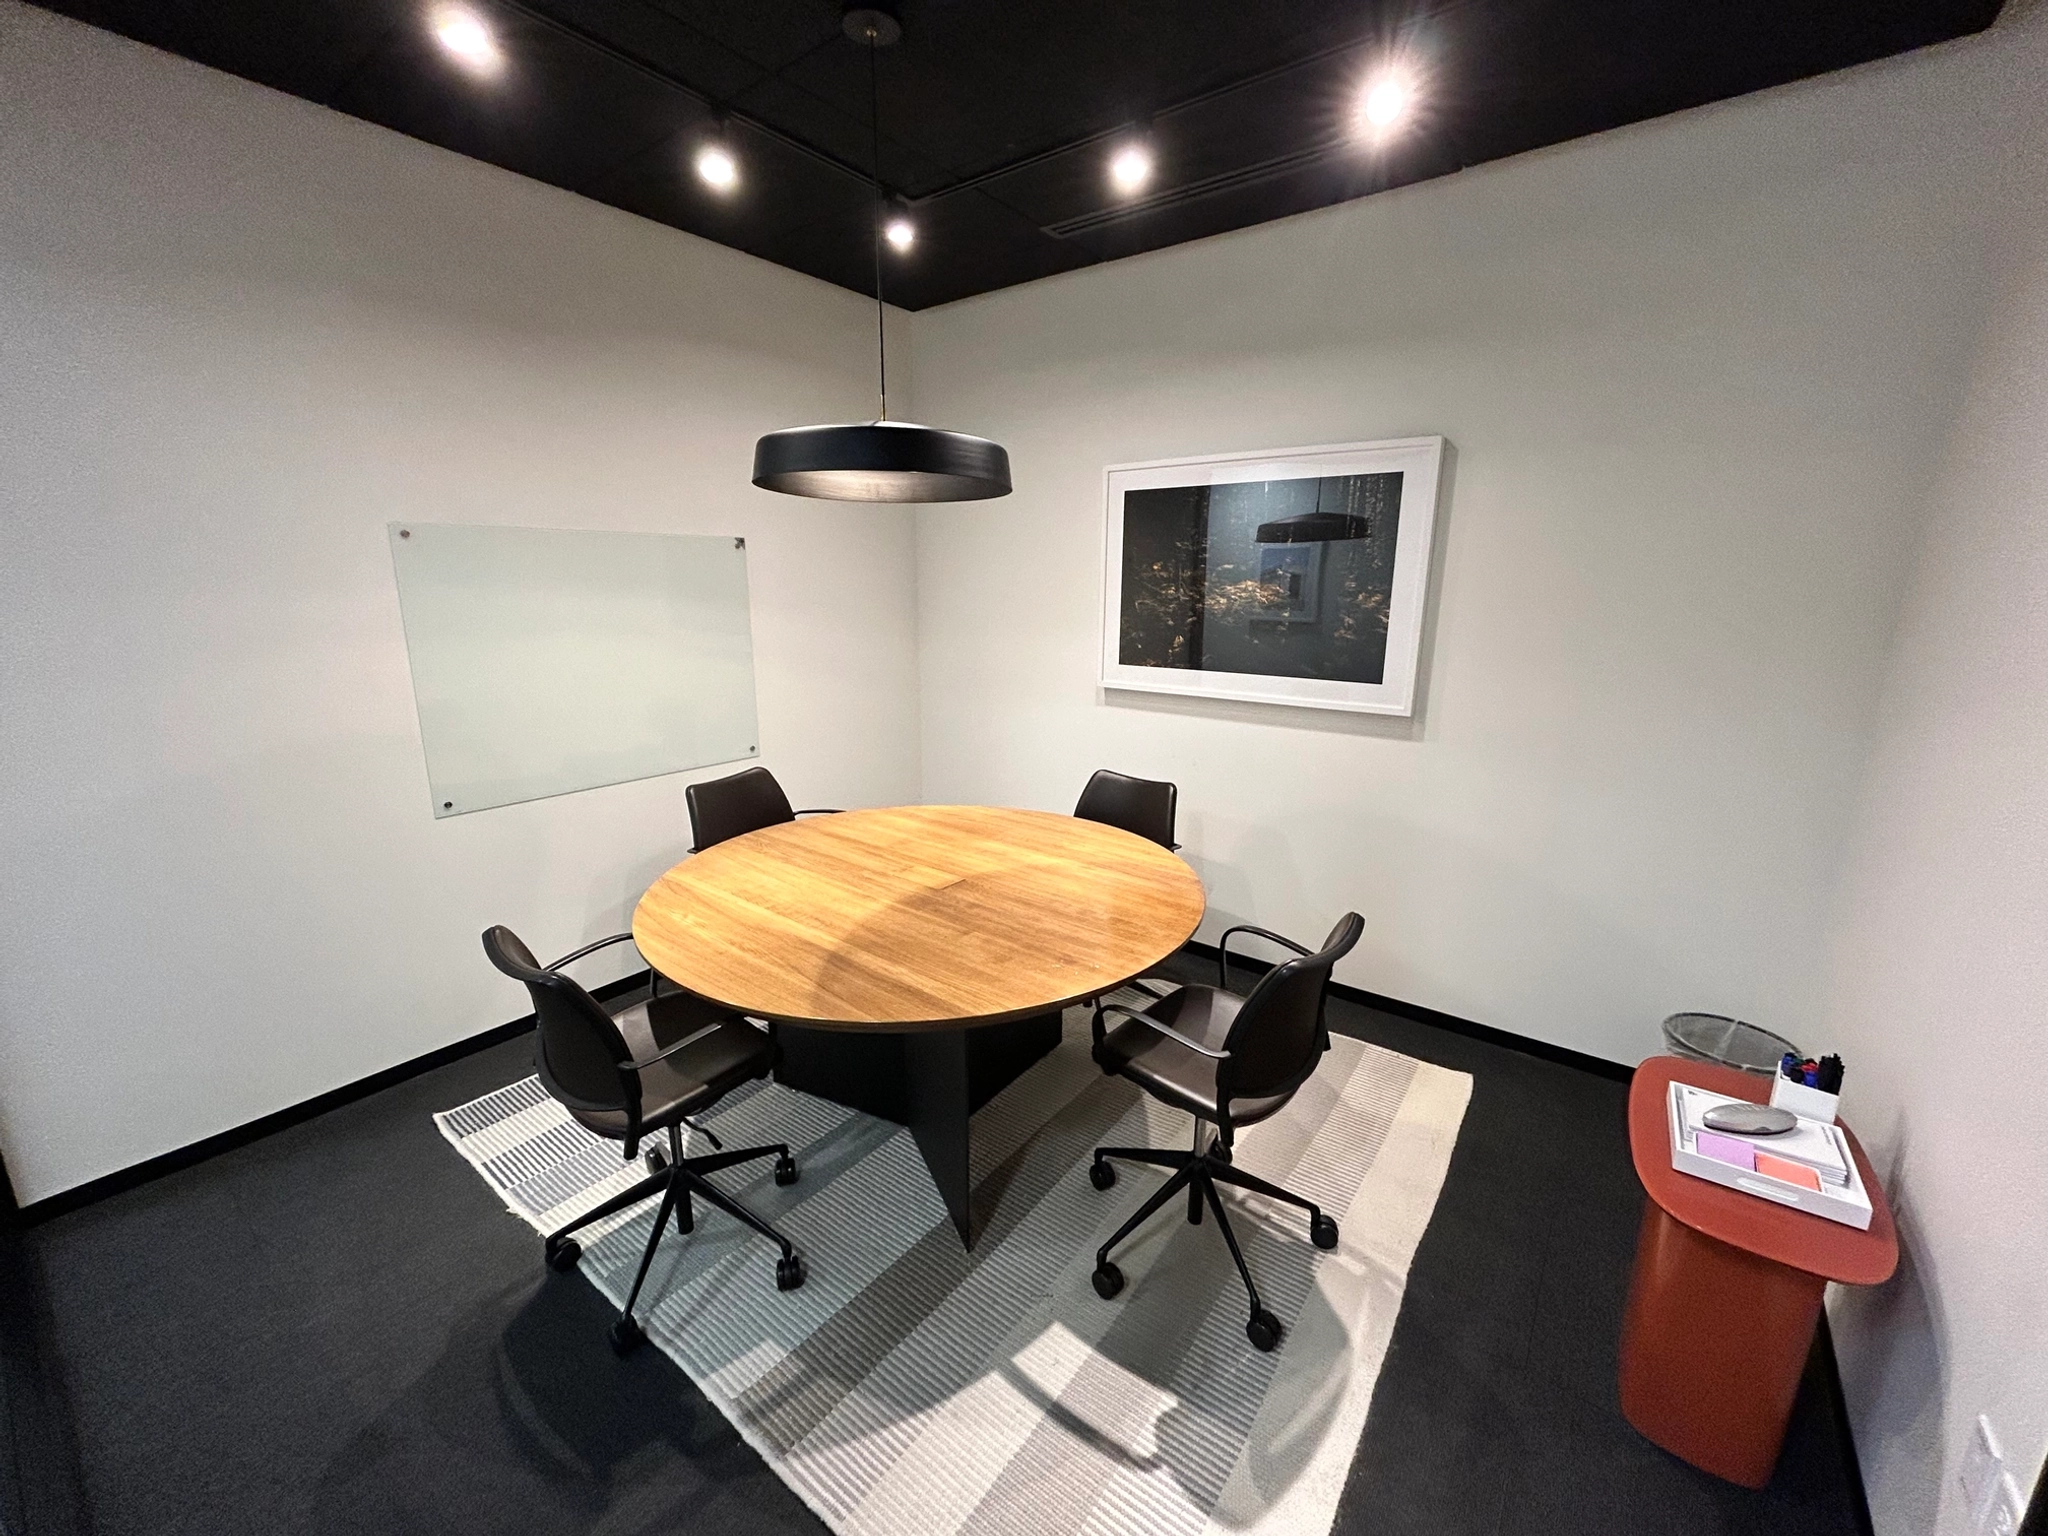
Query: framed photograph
x,y
1291,577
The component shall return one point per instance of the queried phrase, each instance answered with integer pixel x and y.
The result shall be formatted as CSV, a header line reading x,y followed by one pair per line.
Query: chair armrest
x,y
1164,1029
654,977
667,1051
588,949
1223,947
1136,983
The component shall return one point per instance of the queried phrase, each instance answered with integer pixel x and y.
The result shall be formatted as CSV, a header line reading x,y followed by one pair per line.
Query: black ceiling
x,y
998,118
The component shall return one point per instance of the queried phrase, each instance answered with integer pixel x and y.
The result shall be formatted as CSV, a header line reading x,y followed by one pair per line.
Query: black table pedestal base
x,y
928,1080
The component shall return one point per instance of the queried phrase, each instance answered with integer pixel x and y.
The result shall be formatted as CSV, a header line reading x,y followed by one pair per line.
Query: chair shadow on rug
x,y
1149,1342
1181,1436
1146,1347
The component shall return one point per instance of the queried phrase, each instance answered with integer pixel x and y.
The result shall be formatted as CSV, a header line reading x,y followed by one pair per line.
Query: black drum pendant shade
x,y
1314,528
880,460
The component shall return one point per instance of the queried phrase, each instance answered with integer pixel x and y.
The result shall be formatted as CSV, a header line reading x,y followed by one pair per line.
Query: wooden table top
x,y
1797,1238
918,916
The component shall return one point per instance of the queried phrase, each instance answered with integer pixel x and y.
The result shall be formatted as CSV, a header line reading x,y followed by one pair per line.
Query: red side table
x,y
1727,1290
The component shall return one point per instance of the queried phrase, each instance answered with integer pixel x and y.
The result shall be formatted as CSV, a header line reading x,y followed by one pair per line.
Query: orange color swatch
x,y
1790,1173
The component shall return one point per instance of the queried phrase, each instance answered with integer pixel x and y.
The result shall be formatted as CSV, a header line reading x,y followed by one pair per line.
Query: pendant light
x,y
880,460
1317,527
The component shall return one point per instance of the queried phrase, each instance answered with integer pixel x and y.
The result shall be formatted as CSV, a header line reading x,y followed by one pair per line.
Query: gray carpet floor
x,y
339,1329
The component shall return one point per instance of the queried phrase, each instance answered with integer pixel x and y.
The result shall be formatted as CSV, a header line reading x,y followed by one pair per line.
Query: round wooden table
x,y
915,960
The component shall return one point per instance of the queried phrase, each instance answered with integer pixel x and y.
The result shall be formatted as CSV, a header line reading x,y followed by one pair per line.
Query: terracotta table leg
x,y
1712,1348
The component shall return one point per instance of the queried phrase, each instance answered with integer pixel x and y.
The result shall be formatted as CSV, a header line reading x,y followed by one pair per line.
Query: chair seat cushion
x,y
693,1079
1168,1070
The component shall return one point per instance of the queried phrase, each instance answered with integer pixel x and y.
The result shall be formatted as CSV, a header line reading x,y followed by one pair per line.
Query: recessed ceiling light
x,y
463,33
900,233
1388,100
717,169
1130,168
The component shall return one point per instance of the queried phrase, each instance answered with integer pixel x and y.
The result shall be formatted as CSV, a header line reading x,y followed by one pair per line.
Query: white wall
x,y
1939,994
1703,379
238,334
1698,375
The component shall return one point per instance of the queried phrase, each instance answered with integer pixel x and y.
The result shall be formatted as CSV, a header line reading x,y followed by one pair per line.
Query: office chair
x,y
1143,806
741,802
692,1055
1229,1061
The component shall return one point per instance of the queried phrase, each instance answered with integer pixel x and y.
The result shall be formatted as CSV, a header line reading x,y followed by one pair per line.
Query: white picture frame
x,y
1419,463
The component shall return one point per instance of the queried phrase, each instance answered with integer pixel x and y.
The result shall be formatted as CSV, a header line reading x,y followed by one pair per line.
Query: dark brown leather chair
x,y
1143,806
1229,1061
738,803
688,1054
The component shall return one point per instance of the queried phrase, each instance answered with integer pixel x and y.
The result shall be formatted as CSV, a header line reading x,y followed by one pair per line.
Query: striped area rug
x,y
911,1389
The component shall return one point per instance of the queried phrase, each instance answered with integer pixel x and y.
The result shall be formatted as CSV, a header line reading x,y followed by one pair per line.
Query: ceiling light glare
x,y
717,169
1388,100
463,33
900,233
1130,169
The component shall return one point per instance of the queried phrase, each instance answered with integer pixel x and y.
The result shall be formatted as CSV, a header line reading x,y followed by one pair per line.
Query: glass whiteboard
x,y
548,660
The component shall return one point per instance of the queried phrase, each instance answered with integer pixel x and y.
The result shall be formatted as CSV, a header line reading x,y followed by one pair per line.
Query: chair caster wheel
x,y
1108,1279
789,1272
656,1160
626,1336
1263,1330
785,1170
564,1256
1101,1175
1323,1233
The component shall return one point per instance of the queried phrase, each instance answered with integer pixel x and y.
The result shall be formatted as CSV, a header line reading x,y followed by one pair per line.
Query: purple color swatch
x,y
1726,1149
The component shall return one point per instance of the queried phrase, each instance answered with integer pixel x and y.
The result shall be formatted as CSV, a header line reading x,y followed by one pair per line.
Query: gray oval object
x,y
1749,1119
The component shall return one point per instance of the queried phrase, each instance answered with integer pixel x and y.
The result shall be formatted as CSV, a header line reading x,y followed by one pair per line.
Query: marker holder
x,y
1807,1103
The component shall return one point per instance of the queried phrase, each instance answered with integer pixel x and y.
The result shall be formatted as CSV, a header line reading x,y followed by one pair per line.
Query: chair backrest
x,y
742,802
1143,806
1279,1035
580,1054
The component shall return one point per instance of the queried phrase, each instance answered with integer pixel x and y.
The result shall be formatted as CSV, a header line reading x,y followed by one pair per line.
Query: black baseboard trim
x,y
1563,1056
94,1190
121,1179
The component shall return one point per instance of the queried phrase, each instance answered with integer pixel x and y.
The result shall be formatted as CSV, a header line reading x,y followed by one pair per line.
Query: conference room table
x,y
913,961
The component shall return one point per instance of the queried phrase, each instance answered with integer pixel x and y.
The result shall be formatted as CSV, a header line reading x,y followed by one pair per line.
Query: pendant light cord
x,y
875,169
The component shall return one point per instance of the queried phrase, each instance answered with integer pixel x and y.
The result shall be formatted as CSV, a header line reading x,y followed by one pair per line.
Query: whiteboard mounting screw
x,y
405,533
739,543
